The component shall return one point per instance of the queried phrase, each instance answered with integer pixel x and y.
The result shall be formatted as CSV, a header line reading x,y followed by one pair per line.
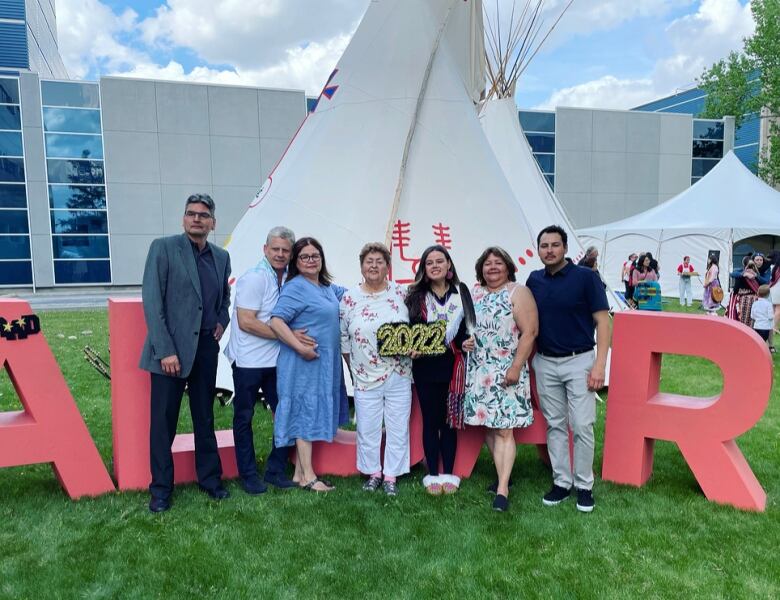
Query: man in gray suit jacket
x,y
186,296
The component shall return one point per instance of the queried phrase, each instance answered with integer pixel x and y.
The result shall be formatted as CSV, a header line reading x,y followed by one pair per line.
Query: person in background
x,y
711,281
685,271
252,351
383,384
774,290
498,390
439,379
744,292
590,258
310,381
644,270
625,276
762,314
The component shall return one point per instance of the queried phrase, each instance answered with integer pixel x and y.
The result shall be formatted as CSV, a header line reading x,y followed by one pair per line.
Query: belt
x,y
563,354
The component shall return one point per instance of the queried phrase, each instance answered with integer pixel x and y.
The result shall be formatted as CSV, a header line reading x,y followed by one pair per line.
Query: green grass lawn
x,y
662,540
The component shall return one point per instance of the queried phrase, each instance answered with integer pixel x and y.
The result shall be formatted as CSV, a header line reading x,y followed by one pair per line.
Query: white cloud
x,y
605,92
302,68
88,34
696,40
276,43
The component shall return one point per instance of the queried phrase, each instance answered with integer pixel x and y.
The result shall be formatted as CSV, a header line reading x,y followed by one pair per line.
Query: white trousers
x,y
391,402
686,296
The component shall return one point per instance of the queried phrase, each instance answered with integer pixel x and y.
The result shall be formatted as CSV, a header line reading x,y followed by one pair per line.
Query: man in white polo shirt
x,y
252,351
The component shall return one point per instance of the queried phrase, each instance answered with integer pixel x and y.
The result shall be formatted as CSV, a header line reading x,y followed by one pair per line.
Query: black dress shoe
x,y
217,493
281,482
158,505
501,503
254,486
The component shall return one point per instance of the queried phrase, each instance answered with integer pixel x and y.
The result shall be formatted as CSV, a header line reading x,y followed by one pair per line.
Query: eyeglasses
x,y
193,213
309,257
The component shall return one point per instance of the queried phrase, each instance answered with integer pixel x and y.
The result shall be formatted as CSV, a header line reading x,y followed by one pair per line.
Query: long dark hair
x,y
422,285
292,270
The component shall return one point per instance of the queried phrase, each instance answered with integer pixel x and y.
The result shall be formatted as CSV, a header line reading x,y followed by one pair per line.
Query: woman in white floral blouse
x,y
498,392
383,386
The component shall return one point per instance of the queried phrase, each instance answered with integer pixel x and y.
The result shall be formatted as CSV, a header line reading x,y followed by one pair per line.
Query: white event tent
x,y
725,206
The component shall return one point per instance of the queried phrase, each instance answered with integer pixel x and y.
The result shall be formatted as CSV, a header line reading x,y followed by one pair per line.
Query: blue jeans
x,y
246,383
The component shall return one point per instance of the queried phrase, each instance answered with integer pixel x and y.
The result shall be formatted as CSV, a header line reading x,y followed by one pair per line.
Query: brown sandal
x,y
309,487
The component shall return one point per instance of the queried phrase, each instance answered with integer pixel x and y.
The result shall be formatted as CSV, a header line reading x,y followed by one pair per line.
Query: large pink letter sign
x,y
50,428
703,428
130,410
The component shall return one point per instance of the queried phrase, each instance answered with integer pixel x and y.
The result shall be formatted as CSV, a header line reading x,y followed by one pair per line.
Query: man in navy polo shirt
x,y
571,302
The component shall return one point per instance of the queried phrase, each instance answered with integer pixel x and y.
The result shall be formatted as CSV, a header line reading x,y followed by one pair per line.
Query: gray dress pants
x,y
566,403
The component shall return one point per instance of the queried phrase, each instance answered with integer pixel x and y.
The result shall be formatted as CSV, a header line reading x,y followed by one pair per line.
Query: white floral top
x,y
360,316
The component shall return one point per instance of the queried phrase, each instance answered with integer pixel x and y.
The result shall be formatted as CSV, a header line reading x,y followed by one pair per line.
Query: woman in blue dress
x,y
310,382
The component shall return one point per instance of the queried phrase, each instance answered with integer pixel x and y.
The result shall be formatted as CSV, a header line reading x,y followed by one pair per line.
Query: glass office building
x,y
747,138
15,255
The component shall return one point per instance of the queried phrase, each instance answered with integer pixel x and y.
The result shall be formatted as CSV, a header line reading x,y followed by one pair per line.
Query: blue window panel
x,y
77,196
12,169
690,102
11,143
75,171
13,50
12,9
707,130
749,156
707,149
71,120
13,221
537,121
14,246
79,221
17,272
10,117
546,162
311,103
80,246
541,142
749,132
551,181
60,145
9,91
70,93
694,180
701,166
82,271
12,196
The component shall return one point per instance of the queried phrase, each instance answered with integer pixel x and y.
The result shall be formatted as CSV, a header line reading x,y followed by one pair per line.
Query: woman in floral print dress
x,y
383,384
498,391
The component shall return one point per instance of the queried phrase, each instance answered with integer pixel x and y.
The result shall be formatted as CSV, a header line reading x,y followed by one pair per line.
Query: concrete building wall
x,y
164,141
35,171
612,164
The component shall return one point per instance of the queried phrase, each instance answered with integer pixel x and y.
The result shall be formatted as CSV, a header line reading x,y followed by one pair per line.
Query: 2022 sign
x,y
399,339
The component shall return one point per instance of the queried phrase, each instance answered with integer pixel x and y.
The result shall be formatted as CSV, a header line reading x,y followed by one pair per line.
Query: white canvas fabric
x,y
395,152
727,205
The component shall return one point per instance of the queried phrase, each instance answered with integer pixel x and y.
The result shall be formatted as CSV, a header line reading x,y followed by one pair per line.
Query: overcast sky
x,y
604,53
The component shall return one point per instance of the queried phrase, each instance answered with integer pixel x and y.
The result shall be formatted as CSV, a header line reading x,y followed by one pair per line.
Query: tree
x,y
748,83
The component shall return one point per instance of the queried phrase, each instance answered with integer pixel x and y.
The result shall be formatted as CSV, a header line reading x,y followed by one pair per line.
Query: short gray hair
x,y
280,232
201,199
591,250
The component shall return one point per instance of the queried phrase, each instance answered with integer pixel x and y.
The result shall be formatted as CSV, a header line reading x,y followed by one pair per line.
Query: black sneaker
x,y
585,501
556,495
253,486
501,503
493,487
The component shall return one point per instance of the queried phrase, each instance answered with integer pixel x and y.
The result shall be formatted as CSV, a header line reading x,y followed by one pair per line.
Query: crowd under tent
x,y
728,208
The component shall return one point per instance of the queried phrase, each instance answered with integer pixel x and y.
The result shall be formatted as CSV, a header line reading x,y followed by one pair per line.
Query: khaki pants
x,y
566,403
